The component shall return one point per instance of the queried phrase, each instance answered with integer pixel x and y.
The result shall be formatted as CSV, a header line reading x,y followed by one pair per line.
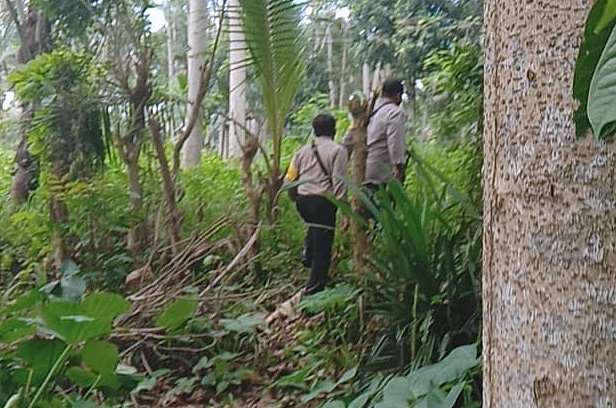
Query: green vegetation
x,y
154,285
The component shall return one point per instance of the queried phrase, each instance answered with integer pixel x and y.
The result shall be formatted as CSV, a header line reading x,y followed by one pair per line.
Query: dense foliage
x,y
136,316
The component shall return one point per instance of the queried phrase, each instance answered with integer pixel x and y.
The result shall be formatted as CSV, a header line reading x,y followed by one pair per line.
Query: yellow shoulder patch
x,y
291,173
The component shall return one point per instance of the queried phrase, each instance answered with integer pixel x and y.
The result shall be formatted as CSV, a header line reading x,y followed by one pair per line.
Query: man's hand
x,y
399,172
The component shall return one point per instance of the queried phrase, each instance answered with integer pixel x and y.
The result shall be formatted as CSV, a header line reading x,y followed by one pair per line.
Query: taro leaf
x,y
14,329
588,57
73,286
602,94
41,355
425,381
101,356
397,393
80,321
246,323
26,301
86,378
437,398
176,314
81,377
452,367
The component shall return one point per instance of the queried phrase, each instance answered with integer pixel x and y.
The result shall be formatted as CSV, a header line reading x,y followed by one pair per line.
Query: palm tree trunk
x,y
197,24
237,81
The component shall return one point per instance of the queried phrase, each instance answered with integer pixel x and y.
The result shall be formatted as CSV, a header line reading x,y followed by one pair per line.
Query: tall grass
x,y
423,290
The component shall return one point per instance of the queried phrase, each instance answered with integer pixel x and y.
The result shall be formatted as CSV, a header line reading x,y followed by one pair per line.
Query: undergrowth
x,y
409,325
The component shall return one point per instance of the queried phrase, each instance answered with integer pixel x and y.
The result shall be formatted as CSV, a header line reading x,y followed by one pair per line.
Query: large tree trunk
x,y
549,318
197,24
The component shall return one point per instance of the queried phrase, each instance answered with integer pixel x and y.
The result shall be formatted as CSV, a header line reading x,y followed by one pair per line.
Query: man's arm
x,y
396,143
339,174
347,140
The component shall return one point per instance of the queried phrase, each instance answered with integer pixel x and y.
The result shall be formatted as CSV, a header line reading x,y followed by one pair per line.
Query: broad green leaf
x,y
375,386
452,367
86,378
80,321
176,314
437,398
14,329
73,286
397,392
590,51
334,404
246,323
607,17
26,301
101,356
453,396
41,355
602,94
81,377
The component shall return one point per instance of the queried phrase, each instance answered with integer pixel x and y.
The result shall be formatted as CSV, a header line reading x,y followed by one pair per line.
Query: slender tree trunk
x,y
549,298
237,81
360,111
365,78
343,68
170,42
330,66
197,24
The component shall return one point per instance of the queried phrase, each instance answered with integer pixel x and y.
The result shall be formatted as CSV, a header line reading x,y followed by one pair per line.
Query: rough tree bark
x,y
34,36
360,111
549,318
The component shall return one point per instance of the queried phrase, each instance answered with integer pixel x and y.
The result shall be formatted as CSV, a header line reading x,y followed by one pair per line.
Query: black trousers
x,y
320,215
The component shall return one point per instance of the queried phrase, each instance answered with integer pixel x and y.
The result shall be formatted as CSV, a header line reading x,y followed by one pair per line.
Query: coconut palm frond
x,y
274,41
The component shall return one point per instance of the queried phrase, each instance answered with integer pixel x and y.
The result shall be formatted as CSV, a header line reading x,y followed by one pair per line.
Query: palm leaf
x,y
273,39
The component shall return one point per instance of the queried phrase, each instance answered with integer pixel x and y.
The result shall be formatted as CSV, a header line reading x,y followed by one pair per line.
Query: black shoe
x,y
317,287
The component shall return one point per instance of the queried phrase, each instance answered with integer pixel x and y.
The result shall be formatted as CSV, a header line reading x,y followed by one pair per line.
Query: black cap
x,y
393,86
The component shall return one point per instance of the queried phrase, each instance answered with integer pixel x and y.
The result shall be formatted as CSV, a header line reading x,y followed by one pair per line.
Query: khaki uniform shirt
x,y
385,141
305,168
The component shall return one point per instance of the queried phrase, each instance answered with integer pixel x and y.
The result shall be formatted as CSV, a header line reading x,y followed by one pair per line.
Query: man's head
x,y
393,88
324,124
